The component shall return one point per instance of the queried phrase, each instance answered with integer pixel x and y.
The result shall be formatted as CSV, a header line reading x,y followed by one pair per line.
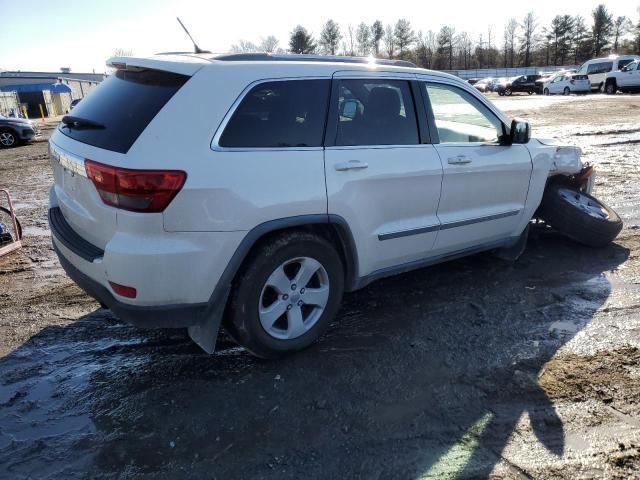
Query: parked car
x,y
15,131
626,80
566,84
598,68
296,178
521,83
481,85
73,103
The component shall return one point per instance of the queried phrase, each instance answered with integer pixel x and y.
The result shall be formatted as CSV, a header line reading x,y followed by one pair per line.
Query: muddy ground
x,y
472,369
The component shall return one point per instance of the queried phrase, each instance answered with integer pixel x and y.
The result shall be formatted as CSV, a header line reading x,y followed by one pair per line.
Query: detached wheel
x,y
286,295
8,139
579,216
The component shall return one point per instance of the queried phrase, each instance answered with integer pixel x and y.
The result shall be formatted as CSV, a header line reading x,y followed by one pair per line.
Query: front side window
x,y
623,63
376,112
462,118
279,114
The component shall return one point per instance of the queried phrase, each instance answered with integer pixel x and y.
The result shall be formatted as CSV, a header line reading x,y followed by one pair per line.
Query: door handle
x,y
350,165
459,160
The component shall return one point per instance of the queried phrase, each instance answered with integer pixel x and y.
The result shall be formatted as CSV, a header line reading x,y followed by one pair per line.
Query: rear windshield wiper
x,y
72,121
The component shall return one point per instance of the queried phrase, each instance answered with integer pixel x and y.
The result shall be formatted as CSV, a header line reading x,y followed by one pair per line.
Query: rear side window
x,y
288,113
602,67
123,105
376,112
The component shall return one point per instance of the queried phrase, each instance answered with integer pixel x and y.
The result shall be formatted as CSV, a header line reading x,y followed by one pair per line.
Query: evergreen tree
x,y
363,39
602,29
377,32
330,37
301,41
404,36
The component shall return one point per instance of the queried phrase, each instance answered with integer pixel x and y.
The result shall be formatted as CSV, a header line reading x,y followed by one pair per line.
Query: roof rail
x,y
270,57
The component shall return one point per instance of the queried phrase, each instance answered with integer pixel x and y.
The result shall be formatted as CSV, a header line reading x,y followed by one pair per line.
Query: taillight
x,y
135,190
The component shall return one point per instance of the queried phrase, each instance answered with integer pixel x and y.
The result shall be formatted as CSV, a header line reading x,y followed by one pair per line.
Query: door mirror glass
x,y
520,131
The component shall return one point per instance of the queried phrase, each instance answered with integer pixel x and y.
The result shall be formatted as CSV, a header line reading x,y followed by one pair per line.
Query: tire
x,y
501,93
610,88
251,321
546,91
530,92
566,91
507,92
5,217
560,209
8,138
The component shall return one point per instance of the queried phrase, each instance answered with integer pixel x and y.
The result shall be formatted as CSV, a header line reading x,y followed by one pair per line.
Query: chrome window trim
x,y
215,141
446,226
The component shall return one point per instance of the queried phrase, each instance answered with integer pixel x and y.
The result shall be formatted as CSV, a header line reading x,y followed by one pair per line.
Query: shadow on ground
x,y
425,374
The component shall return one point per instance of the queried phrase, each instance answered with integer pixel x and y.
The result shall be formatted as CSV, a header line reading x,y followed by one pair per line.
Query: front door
x,y
485,183
381,176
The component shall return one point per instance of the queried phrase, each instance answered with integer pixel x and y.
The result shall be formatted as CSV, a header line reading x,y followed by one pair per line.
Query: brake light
x,y
135,190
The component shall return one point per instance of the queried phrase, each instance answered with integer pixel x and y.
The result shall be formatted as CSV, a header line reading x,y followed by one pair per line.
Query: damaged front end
x,y
566,166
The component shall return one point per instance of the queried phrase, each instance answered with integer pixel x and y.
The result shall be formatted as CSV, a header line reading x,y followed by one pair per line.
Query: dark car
x,y
74,103
522,83
14,131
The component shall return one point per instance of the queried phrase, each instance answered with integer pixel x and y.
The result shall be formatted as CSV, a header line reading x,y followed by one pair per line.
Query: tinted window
x,y
376,112
460,117
279,114
124,103
622,63
602,67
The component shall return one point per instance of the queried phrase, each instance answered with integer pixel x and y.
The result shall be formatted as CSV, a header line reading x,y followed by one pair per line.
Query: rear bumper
x,y
163,316
83,263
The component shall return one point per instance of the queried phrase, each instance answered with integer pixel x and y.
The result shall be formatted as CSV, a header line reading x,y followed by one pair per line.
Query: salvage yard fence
x,y
506,72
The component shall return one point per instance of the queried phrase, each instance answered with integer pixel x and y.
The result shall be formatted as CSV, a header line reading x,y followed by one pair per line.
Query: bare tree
x,y
621,26
511,32
269,44
244,46
363,39
349,45
330,37
527,41
389,41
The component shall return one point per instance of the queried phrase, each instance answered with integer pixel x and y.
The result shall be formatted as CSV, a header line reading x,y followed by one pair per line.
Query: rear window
x,y
124,104
580,77
602,67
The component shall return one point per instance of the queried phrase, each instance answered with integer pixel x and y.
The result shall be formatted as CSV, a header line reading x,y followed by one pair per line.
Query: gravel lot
x,y
471,369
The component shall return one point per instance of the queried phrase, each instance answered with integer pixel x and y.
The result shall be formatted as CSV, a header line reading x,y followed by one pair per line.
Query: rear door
x,y
383,176
485,183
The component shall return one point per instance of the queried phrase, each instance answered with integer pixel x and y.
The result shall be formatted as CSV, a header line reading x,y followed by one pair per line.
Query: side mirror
x,y
520,131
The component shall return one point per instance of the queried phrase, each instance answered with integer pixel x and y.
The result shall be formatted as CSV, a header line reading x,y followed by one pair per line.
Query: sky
x,y
42,35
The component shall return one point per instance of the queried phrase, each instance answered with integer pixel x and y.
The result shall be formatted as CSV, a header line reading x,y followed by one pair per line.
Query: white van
x,y
597,68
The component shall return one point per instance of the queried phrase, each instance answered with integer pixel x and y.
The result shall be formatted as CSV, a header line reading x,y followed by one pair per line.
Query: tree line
x,y
568,39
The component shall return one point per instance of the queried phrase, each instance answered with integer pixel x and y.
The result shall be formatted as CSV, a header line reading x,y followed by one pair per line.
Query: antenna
x,y
196,48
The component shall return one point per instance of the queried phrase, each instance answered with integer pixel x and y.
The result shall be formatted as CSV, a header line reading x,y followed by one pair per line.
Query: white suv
x,y
627,79
192,190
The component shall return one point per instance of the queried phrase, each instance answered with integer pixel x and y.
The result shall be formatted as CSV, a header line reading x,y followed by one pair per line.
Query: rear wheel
x,y
579,216
566,91
546,91
507,92
286,295
8,138
530,92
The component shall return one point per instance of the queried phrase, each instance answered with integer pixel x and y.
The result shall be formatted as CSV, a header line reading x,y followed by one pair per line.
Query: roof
x,y
36,87
270,57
